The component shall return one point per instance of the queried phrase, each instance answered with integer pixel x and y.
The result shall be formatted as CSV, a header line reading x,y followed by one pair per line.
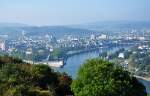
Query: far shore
x,y
144,78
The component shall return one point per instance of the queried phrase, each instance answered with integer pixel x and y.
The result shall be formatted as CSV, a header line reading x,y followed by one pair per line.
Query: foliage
x,y
57,53
39,54
136,60
20,79
6,59
101,78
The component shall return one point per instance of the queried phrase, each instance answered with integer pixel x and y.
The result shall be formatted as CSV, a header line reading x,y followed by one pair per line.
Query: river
x,y
73,63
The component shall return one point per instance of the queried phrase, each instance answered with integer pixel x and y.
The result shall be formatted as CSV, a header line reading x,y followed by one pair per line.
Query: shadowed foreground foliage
x,y
94,78
20,79
101,78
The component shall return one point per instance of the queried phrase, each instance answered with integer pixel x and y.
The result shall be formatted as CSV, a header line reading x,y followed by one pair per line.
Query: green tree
x,y
57,53
21,79
101,78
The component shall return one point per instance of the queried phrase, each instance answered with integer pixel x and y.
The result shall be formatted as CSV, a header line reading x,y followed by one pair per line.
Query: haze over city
x,y
66,12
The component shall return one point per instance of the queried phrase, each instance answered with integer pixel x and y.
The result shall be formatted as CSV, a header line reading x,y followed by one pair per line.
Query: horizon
x,y
66,12
94,22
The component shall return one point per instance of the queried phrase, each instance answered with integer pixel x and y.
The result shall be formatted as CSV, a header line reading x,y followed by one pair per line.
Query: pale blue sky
x,y
62,12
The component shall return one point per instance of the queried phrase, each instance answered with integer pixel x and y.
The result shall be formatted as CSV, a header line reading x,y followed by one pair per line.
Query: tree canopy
x,y
101,78
21,79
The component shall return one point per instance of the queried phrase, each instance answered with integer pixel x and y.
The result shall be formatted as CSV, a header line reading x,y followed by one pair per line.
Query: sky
x,y
66,12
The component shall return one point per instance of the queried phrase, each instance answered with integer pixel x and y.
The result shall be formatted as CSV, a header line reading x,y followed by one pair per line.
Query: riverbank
x,y
145,81
74,62
77,52
144,78
101,49
51,63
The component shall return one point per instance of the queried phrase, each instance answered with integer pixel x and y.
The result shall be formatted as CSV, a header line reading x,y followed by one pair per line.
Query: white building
x,y
121,55
2,45
103,36
141,38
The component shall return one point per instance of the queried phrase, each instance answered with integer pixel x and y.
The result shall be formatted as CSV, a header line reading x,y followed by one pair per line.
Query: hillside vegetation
x,y
95,78
21,79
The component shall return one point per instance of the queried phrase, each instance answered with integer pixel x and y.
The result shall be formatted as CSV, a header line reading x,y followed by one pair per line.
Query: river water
x,y
73,63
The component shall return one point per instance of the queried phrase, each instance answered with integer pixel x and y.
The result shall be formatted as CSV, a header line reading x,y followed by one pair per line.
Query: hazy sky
x,y
60,12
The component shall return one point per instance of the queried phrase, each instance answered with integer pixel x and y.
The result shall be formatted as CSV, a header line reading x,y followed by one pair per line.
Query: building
x,y
2,45
121,55
103,36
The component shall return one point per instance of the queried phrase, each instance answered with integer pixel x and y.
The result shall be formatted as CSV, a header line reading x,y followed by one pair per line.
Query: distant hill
x,y
106,27
12,25
57,31
114,26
